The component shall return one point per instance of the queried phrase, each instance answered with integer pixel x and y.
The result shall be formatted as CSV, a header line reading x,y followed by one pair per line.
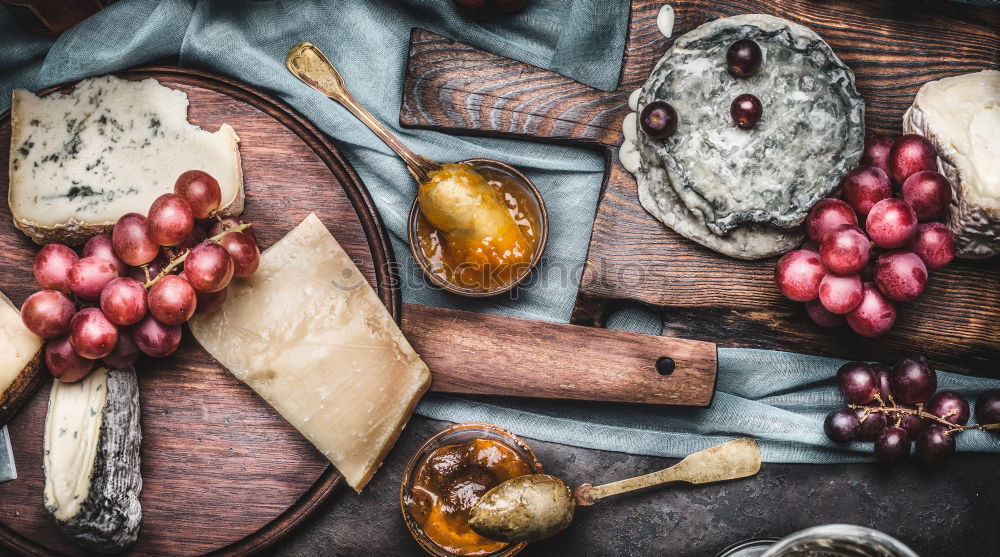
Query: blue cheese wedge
x,y
960,116
80,160
21,370
311,337
92,478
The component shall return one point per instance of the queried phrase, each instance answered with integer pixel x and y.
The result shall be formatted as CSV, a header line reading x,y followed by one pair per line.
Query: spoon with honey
x,y
537,506
477,227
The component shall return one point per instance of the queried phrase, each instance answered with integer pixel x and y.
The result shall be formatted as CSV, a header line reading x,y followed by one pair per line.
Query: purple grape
x,y
871,425
913,379
842,425
743,58
658,119
883,372
950,406
911,422
746,110
988,407
892,445
934,445
857,382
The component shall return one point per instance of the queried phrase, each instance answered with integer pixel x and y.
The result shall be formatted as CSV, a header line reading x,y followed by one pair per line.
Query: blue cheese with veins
x,y
80,160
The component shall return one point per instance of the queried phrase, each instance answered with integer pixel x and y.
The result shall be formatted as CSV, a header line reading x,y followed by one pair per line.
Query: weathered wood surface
x,y
222,471
495,355
893,48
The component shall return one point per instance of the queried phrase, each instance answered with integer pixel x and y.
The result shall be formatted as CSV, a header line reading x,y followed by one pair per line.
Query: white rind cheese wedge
x,y
20,360
960,116
92,477
311,337
78,161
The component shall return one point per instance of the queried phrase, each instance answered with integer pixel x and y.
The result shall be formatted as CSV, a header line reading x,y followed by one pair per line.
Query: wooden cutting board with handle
x,y
893,48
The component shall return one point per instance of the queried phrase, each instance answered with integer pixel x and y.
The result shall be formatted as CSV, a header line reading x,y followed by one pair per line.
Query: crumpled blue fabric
x,y
778,398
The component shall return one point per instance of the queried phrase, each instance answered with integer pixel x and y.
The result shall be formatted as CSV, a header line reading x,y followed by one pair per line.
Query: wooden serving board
x,y
893,48
222,471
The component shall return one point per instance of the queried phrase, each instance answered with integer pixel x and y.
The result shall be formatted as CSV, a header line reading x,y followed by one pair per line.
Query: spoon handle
x,y
308,63
728,461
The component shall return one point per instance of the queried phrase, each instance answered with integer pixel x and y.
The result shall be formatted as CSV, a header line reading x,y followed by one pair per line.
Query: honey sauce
x,y
478,227
450,481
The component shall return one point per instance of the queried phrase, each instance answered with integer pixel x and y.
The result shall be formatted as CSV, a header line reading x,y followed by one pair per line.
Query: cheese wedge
x,y
78,161
21,370
311,337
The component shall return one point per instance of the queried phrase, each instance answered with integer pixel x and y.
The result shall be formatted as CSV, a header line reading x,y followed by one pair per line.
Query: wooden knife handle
x,y
474,353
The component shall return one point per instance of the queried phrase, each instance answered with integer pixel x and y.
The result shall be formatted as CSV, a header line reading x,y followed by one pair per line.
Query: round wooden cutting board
x,y
222,471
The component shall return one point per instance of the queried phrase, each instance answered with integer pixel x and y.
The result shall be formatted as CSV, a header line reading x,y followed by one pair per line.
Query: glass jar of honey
x,y
447,476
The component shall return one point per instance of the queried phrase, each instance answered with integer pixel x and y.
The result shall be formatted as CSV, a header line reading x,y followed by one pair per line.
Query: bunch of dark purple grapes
x,y
895,406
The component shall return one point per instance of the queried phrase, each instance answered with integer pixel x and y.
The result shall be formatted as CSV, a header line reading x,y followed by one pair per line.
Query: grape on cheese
x,y
311,337
110,147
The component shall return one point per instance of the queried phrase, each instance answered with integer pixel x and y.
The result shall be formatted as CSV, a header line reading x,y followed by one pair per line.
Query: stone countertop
x,y
950,510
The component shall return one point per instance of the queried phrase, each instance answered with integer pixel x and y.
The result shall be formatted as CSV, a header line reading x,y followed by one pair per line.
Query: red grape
x,y
841,426
891,223
822,316
892,445
47,313
170,220
746,110
844,250
100,246
155,267
871,425
52,265
876,152
934,445
197,236
218,228
743,58
209,267
123,301
243,250
866,186
857,382
92,335
909,155
132,241
201,191
988,407
64,363
882,371
798,275
840,294
934,244
900,275
913,379
208,301
658,119
156,339
912,422
125,352
928,192
874,315
950,406
172,300
89,276
826,215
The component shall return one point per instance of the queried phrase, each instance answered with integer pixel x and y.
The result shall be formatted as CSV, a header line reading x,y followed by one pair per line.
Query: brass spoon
x,y
530,508
311,66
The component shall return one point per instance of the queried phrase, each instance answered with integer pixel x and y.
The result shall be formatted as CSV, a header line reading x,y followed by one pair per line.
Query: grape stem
x,y
177,259
897,412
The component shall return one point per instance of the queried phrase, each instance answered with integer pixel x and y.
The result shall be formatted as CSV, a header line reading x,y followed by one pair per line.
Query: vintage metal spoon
x,y
536,506
311,66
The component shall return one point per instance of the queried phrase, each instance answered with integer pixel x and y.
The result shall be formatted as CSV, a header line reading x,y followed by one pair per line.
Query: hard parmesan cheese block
x,y
20,360
92,476
78,161
960,116
311,337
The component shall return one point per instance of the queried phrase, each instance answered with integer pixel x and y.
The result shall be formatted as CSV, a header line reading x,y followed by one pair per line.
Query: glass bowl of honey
x,y
511,224
447,476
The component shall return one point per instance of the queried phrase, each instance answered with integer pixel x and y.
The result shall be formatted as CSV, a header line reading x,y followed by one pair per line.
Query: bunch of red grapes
x,y
895,406
121,299
870,251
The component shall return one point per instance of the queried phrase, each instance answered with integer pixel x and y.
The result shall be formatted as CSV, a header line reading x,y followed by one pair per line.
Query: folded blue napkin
x,y
777,397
